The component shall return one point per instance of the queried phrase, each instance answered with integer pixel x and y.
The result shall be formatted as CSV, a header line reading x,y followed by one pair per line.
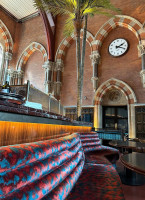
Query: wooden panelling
x,y
140,122
19,132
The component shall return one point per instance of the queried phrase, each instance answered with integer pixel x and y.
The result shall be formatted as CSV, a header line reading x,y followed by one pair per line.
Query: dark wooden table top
x,y
134,161
128,144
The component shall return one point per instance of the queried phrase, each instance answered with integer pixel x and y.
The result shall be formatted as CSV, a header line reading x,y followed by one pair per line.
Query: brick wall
x,y
23,34
125,68
34,71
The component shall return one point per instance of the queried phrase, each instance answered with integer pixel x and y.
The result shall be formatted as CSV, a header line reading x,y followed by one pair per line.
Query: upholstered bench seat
x,y
93,149
57,169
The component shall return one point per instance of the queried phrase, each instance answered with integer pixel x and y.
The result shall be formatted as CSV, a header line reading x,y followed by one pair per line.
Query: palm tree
x,y
77,12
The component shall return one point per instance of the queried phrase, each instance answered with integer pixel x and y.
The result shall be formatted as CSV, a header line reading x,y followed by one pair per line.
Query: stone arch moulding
x,y
7,37
66,42
28,52
118,84
118,21
131,99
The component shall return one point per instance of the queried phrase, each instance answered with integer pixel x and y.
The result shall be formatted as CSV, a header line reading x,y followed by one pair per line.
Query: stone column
x,y
141,49
7,57
15,78
95,57
20,74
48,67
59,70
10,74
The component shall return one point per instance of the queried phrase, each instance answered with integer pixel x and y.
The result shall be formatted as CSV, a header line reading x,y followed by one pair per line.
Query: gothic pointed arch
x,y
34,46
66,42
118,21
115,84
7,37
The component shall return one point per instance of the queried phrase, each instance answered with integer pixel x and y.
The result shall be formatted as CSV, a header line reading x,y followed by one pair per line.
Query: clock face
x,y
118,47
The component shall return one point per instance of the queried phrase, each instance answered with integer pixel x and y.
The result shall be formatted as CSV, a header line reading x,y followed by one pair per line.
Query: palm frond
x,y
106,4
55,6
69,25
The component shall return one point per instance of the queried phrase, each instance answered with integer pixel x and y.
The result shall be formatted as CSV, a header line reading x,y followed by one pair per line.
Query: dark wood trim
x,y
49,35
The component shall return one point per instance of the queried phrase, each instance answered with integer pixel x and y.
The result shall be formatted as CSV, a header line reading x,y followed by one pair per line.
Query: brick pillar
x,y
95,57
48,67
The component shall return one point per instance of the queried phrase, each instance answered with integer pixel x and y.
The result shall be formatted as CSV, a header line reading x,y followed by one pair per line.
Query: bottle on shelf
x,y
6,87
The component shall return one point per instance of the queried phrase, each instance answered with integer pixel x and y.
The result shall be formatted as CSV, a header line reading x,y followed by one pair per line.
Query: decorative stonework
x,y
48,65
28,52
114,95
8,56
142,74
95,57
7,37
115,84
141,49
59,66
66,42
122,21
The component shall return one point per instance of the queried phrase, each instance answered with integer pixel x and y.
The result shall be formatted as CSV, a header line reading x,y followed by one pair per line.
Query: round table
x,y
134,161
130,145
134,171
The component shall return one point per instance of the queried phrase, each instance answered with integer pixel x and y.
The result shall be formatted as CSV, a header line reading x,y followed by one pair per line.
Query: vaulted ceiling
x,y
19,9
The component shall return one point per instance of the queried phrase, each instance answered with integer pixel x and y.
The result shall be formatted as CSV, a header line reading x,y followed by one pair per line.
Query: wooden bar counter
x,y
20,124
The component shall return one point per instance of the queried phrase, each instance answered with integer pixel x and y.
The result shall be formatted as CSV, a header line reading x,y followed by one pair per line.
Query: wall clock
x,y
118,47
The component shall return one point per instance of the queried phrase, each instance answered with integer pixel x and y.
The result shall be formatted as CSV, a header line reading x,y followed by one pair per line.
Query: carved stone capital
x,y
10,72
94,78
8,56
20,73
48,65
58,83
59,66
141,49
95,57
142,74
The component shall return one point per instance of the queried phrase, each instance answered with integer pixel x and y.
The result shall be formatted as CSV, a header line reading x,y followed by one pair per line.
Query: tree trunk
x,y
78,62
83,54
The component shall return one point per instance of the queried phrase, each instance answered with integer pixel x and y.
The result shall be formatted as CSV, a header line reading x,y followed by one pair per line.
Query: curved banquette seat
x,y
35,170
95,151
56,170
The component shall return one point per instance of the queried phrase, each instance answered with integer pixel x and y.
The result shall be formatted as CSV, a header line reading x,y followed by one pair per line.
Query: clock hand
x,y
120,45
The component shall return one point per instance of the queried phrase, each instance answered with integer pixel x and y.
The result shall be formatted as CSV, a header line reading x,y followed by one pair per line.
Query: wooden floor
x,y
132,192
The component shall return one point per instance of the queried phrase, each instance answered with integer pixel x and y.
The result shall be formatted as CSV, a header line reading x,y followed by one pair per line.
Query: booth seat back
x,y
40,169
90,141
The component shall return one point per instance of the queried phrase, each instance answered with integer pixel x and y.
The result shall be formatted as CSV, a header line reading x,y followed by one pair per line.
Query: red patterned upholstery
x,y
97,182
31,171
50,169
93,149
